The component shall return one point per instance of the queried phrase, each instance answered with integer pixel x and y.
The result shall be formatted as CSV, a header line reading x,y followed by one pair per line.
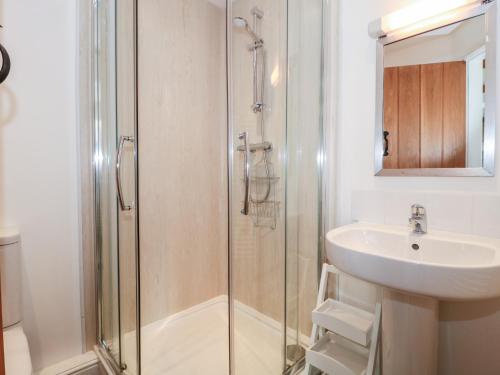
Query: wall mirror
x,y
436,98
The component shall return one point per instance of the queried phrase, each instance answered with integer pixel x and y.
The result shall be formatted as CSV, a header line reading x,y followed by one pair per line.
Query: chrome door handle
x,y
123,139
244,137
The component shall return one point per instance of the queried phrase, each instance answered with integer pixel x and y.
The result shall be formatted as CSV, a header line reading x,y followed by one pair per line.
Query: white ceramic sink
x,y
446,266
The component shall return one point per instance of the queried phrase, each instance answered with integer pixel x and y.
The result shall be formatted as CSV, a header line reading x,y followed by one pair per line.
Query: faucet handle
x,y
417,210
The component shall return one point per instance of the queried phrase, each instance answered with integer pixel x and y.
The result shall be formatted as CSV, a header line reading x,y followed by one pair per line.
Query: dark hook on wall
x,y
5,70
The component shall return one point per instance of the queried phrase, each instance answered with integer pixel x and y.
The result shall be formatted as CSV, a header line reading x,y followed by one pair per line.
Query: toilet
x,y
17,353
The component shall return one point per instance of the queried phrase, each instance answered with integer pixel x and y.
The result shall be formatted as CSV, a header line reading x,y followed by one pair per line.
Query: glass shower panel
x,y
106,204
183,193
258,94
127,218
115,180
304,170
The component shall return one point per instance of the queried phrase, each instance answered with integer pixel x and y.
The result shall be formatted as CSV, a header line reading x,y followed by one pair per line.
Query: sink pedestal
x,y
409,334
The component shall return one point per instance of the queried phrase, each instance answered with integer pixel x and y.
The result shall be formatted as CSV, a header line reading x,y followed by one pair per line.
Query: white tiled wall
x,y
471,213
486,215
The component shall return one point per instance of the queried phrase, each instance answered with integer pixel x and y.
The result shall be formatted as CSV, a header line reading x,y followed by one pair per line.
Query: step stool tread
x,y
345,320
336,356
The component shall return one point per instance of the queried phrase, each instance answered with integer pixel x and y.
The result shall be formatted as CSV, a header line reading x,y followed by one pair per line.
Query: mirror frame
x,y
489,9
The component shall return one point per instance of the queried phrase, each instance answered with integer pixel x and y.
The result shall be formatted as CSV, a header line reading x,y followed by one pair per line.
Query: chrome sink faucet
x,y
418,220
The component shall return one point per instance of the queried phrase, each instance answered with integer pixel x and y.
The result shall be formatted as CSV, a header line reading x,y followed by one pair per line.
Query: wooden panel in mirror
x,y
426,121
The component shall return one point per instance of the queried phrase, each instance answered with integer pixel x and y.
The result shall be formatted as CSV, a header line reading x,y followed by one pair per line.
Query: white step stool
x,y
344,339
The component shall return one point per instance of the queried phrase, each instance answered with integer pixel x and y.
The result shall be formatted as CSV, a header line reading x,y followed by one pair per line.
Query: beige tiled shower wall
x,y
183,155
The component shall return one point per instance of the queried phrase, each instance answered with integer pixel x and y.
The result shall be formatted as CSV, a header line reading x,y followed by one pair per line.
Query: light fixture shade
x,y
419,15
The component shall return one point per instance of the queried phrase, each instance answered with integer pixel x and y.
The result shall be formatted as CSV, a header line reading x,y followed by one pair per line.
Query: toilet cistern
x,y
418,219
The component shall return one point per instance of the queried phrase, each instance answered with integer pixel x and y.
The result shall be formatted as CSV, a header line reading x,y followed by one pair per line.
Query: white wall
x,y
38,169
430,48
467,330
475,108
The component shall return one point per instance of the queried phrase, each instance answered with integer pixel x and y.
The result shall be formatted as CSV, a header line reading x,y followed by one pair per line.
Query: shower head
x,y
242,24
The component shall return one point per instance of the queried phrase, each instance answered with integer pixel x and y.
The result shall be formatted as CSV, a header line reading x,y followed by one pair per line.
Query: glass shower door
x,y
276,191
258,126
105,135
115,158
126,177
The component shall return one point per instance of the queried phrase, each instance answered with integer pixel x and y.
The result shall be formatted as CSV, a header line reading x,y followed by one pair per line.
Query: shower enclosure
x,y
208,183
